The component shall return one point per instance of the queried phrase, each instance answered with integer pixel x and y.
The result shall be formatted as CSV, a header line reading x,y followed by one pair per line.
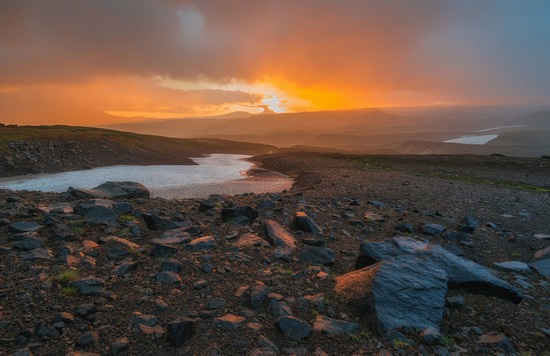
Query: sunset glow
x,y
174,59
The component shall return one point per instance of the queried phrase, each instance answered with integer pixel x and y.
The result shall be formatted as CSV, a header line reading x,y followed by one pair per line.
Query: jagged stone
x,y
401,292
174,237
155,222
282,240
180,331
88,285
251,240
163,250
29,243
461,273
432,229
168,277
125,267
542,266
304,223
317,256
202,244
119,345
242,211
513,266
97,210
229,321
293,327
328,325
112,190
542,254
36,254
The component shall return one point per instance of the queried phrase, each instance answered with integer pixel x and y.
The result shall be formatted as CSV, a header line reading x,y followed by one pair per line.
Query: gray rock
x,y
168,277
155,222
431,336
206,204
229,321
85,309
279,238
230,214
119,345
202,244
458,236
456,302
36,254
29,243
171,264
328,325
251,240
174,237
112,190
317,256
401,292
148,320
88,285
542,266
513,266
304,223
215,303
432,229
42,330
180,331
461,273
163,250
405,228
293,327
98,211
495,340
258,293
89,338
24,226
125,267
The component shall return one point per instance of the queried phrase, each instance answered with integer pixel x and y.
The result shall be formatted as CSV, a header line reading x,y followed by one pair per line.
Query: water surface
x,y
215,174
473,140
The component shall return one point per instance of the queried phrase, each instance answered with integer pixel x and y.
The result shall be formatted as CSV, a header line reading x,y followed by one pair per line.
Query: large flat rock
x,y
461,273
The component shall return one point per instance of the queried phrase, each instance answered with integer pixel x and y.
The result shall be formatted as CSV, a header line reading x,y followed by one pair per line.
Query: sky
x,y
185,58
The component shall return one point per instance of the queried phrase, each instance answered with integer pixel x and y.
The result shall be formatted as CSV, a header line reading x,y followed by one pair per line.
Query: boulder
x,y
97,210
279,238
513,266
401,292
304,223
180,331
293,327
461,273
432,229
112,190
317,256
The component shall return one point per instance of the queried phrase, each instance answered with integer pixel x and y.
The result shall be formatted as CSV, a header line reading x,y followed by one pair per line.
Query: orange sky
x,y
178,58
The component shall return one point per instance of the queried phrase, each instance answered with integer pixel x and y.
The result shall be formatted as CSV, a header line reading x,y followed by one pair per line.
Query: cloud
x,y
344,53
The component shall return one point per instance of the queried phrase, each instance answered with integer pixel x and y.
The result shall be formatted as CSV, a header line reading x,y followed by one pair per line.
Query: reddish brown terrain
x,y
230,287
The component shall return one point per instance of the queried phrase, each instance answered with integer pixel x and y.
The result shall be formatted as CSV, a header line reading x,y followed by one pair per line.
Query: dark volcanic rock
x,y
180,331
328,325
88,285
112,190
401,292
98,210
242,211
542,266
36,254
281,239
202,244
304,223
29,243
206,204
317,256
461,273
405,228
432,229
24,226
168,277
293,327
163,250
155,222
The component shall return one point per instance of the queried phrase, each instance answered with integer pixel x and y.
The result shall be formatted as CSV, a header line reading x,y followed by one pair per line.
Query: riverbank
x,y
218,278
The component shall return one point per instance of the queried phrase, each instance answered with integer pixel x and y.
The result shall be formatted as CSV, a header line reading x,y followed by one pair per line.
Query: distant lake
x,y
215,174
473,140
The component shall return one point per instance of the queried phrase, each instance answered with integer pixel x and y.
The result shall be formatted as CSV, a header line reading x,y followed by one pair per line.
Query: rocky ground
x,y
256,274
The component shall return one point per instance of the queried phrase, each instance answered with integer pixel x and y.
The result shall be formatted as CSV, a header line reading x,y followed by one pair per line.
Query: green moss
x,y
66,276
448,341
127,218
69,291
399,344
